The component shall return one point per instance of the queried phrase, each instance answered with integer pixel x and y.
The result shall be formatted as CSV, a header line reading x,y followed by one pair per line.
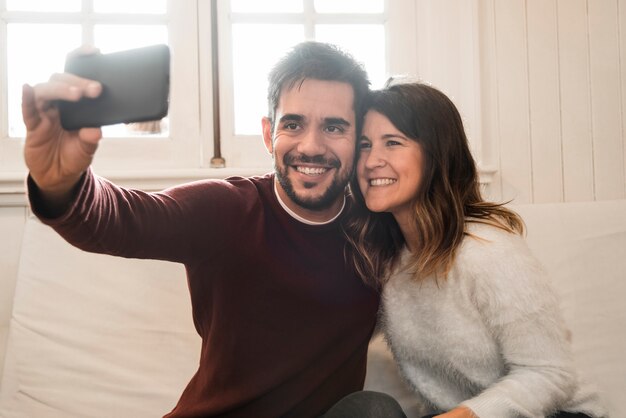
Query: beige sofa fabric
x,y
99,336
95,336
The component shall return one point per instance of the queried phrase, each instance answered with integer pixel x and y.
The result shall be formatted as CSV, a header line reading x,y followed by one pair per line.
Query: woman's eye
x,y
364,145
391,143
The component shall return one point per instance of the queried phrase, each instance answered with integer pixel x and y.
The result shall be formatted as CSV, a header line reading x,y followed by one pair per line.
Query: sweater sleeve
x,y
521,310
169,225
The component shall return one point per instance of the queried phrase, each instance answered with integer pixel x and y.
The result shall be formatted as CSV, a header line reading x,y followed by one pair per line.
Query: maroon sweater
x,y
284,320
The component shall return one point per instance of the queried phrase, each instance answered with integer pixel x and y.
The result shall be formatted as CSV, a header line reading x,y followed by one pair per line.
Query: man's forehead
x,y
325,98
314,85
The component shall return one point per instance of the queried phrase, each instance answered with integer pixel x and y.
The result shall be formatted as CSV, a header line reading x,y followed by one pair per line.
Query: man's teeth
x,y
311,170
382,182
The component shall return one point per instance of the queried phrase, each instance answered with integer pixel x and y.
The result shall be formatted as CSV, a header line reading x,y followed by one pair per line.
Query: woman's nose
x,y
374,158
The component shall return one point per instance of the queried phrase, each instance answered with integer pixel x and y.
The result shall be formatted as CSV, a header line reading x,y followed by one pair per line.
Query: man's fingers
x,y
85,49
65,86
90,135
29,108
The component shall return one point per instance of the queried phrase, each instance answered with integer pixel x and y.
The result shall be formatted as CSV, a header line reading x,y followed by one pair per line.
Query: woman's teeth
x,y
381,182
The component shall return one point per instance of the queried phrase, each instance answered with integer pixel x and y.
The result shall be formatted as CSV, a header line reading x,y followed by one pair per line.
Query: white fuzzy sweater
x,y
490,336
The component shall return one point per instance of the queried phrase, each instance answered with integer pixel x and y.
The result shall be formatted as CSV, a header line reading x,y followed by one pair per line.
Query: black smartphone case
x,y
135,87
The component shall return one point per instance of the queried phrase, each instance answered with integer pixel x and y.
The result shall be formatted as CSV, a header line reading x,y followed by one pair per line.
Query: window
x,y
252,34
259,38
40,33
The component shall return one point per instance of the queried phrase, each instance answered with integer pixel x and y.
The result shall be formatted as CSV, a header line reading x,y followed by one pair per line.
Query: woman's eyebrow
x,y
394,136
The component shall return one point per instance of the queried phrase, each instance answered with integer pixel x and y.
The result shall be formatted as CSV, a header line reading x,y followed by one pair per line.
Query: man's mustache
x,y
291,159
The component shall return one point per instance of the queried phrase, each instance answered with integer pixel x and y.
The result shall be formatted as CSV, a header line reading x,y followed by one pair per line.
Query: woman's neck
x,y
407,227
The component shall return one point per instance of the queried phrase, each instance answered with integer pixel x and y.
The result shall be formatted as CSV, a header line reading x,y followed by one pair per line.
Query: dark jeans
x,y
557,415
366,404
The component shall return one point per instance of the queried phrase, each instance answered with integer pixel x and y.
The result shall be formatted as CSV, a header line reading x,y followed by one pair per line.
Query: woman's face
x,y
389,167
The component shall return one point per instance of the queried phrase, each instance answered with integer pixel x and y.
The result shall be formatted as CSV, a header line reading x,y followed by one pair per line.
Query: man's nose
x,y
312,143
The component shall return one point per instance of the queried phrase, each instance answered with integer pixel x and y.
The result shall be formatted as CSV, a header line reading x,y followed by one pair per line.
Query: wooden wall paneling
x,y
514,124
490,148
545,115
621,5
468,89
575,100
447,38
425,42
608,155
438,40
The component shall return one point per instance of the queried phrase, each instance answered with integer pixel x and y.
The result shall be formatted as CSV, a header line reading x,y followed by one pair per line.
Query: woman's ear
x,y
267,134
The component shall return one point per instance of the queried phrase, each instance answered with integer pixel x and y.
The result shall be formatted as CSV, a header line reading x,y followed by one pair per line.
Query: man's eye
x,y
334,129
291,126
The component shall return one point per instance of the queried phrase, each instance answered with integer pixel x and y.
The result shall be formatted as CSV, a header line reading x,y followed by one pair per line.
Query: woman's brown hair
x,y
448,197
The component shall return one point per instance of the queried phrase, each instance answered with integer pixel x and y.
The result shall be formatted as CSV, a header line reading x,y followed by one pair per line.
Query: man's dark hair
x,y
317,61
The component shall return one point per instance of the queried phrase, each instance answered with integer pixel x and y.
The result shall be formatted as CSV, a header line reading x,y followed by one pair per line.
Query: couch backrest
x,y
583,246
95,336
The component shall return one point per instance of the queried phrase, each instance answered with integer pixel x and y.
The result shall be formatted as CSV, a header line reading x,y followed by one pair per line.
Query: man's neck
x,y
306,216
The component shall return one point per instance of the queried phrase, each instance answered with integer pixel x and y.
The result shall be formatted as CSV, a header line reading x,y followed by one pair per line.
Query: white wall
x,y
553,75
541,85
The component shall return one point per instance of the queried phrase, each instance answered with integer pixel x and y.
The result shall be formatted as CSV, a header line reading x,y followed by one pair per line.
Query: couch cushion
x,y
583,247
94,335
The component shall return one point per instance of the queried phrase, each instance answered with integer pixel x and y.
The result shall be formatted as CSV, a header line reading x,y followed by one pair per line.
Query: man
x,y
284,320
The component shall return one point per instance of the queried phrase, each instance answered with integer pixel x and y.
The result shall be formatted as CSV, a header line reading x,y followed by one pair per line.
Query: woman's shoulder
x,y
489,248
502,269
485,236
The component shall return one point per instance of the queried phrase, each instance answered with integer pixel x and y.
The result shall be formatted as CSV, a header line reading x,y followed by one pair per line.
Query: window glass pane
x,y
34,52
130,6
266,6
366,43
111,38
44,5
350,6
252,61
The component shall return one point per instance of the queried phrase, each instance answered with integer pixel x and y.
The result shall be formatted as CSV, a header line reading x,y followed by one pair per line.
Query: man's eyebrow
x,y
291,117
336,121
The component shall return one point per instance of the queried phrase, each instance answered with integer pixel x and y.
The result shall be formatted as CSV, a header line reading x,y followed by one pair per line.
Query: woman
x,y
468,313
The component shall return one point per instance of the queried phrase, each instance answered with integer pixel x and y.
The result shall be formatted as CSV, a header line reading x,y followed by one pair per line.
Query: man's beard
x,y
329,197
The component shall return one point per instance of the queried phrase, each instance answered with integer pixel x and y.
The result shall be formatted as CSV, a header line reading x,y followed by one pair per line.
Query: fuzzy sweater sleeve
x,y
520,308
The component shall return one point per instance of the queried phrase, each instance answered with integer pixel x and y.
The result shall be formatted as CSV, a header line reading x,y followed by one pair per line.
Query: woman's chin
x,y
373,207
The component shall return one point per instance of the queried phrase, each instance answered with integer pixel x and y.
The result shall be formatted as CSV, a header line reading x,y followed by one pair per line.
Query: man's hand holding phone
x,y
55,157
63,115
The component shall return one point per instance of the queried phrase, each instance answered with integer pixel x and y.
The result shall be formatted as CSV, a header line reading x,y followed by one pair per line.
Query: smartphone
x,y
135,87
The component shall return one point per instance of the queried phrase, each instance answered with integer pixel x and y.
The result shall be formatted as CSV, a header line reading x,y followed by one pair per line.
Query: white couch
x,y
97,336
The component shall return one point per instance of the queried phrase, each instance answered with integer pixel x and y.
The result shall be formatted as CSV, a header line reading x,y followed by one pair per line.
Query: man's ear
x,y
267,134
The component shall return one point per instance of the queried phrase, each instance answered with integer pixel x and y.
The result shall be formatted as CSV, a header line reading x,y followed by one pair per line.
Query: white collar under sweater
x,y
490,336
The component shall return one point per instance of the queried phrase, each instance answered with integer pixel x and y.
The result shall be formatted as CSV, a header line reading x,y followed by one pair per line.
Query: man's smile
x,y
311,171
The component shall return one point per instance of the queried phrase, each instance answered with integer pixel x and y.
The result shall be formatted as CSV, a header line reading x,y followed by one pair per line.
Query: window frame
x,y
186,154
125,157
400,49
